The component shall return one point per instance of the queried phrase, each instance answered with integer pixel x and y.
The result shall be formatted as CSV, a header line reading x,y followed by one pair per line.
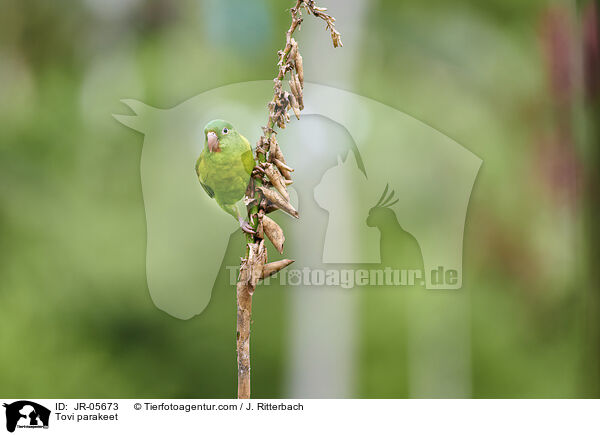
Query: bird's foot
x,y
245,226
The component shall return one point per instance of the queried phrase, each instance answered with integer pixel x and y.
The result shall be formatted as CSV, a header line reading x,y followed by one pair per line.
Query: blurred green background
x,y
516,82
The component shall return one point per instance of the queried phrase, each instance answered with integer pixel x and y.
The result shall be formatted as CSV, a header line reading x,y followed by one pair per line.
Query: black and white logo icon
x,y
26,414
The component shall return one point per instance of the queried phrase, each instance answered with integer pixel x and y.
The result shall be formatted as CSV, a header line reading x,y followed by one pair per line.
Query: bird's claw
x,y
246,227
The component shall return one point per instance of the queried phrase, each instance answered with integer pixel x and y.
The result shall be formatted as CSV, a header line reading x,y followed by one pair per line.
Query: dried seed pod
x,y
336,38
274,267
294,105
273,232
298,88
297,82
276,180
300,69
270,208
277,154
278,200
273,144
293,50
292,83
280,164
283,168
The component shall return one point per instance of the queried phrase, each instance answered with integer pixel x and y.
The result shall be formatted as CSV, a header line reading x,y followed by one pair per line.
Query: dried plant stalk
x,y
271,170
244,312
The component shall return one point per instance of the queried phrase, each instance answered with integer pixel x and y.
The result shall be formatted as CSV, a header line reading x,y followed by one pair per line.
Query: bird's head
x,y
215,134
381,212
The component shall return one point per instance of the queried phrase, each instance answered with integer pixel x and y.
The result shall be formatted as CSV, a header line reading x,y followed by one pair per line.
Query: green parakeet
x,y
224,168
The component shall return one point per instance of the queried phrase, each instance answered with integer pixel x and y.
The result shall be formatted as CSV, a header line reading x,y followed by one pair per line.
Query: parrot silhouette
x,y
224,168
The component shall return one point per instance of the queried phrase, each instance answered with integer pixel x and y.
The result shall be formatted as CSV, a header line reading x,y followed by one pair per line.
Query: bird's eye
x,y
225,130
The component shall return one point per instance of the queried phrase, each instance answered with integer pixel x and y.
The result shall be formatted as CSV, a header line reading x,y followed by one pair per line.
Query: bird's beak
x,y
213,142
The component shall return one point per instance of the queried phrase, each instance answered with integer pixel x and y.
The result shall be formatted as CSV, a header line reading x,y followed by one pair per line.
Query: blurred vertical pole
x,y
572,56
590,44
439,344
323,319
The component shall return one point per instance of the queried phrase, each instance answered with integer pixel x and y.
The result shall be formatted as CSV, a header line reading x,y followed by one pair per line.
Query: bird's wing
x,y
199,169
247,158
248,161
